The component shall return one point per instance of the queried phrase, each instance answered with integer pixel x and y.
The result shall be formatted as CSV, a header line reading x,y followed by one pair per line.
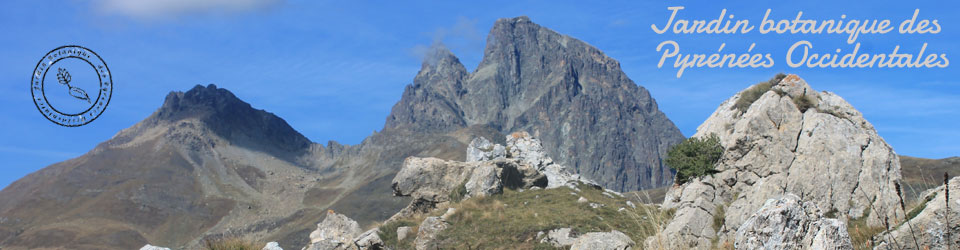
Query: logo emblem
x,y
71,86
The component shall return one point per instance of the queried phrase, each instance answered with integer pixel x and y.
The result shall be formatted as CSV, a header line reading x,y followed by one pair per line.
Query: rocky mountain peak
x,y
222,112
560,89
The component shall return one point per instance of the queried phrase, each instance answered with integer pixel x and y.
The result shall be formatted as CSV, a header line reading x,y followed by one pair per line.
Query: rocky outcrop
x,y
790,139
788,223
337,232
522,164
613,240
481,149
936,225
592,118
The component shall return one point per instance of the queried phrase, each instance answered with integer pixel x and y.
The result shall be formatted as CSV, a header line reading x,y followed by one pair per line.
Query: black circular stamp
x,y
71,86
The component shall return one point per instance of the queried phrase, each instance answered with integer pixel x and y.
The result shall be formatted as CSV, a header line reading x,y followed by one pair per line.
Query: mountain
x,y
921,174
589,114
206,164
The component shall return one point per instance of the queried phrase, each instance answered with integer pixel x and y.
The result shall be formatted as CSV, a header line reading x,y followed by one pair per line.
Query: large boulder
x,y
785,141
789,223
935,226
339,232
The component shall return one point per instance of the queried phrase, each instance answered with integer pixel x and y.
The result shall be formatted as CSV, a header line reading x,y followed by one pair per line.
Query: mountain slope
x,y
207,164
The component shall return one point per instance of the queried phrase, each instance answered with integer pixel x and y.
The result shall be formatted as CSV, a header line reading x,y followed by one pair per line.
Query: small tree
x,y
694,157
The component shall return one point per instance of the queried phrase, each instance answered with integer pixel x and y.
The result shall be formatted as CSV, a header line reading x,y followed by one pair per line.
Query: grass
x,y
230,243
388,234
861,234
755,92
512,220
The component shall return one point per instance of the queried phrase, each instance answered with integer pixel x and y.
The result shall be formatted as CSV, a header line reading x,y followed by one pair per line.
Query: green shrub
x,y
755,92
694,157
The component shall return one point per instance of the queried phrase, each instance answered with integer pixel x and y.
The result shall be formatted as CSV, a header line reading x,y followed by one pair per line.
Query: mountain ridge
x,y
238,170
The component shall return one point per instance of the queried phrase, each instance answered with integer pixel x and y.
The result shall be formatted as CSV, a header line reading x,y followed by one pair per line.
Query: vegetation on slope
x,y
513,219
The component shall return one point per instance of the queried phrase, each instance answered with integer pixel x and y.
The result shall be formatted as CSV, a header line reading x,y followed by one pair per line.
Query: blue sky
x,y
334,70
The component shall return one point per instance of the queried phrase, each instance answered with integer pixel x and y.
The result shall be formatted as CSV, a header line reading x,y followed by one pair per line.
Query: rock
x,y
597,205
774,148
431,181
613,240
630,203
151,247
930,227
446,215
369,240
427,235
481,149
402,233
582,200
560,237
789,223
272,246
336,231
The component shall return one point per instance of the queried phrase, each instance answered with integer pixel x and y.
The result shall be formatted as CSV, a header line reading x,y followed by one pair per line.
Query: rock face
x,y
589,114
934,227
821,149
788,223
339,232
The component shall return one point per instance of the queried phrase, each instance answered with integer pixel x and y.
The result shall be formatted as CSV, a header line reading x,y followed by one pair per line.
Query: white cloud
x,y
171,9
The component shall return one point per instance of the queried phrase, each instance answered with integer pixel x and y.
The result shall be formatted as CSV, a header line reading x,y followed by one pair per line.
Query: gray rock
x,y
427,235
773,149
789,223
369,240
152,247
582,200
272,246
336,231
402,233
613,240
933,228
560,237
481,149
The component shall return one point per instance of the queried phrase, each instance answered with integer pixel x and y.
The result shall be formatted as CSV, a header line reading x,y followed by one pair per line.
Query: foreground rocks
x,y
522,164
788,223
565,237
337,231
789,140
934,227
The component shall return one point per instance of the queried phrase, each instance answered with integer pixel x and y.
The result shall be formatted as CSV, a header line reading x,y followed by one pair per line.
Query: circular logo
x,y
71,86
